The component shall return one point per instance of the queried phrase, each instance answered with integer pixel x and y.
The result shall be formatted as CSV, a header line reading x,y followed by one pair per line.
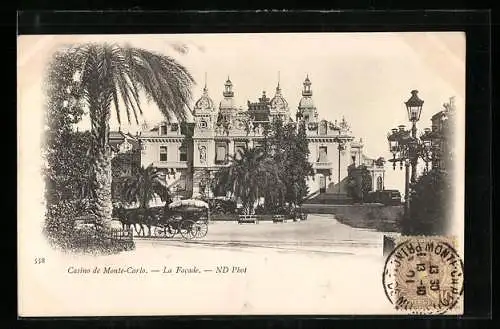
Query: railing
x,y
279,218
170,164
242,219
224,163
122,234
90,237
322,165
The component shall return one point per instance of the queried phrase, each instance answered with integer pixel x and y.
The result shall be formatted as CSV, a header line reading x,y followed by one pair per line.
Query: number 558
x,y
39,260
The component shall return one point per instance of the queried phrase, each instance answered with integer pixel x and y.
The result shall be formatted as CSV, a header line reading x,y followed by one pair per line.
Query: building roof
x,y
378,162
227,103
438,115
204,103
278,102
116,135
306,102
117,138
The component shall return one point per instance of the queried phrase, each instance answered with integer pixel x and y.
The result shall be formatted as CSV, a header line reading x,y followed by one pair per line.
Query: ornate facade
x,y
441,135
219,131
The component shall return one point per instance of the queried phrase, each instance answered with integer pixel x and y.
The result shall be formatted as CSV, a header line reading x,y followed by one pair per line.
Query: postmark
x,y
424,275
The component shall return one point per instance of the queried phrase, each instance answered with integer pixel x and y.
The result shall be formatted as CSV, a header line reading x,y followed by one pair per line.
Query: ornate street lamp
x,y
414,107
406,148
426,147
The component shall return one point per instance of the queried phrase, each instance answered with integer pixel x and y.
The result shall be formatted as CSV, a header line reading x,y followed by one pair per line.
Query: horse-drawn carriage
x,y
189,218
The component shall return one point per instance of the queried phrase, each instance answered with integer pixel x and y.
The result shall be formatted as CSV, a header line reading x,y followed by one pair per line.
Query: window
x,y
322,184
163,153
323,156
239,148
163,130
182,153
323,128
221,152
181,185
380,184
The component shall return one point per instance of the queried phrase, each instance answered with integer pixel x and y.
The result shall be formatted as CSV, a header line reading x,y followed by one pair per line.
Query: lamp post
x,y
414,108
406,148
341,147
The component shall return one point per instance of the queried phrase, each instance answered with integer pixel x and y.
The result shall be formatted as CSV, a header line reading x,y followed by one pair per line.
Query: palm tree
x,y
109,74
250,176
145,185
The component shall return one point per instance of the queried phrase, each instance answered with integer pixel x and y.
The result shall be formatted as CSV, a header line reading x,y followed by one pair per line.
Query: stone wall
x,y
367,216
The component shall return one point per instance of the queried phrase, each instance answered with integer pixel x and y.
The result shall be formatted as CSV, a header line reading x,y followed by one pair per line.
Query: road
x,y
320,234
317,266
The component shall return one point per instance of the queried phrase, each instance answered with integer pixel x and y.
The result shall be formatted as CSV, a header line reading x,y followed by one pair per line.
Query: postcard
x,y
241,174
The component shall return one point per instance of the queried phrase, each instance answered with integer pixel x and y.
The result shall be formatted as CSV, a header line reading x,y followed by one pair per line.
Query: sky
x,y
364,77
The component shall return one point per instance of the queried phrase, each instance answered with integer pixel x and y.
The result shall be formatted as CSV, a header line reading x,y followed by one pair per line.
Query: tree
x,y
124,165
106,74
249,177
359,182
287,144
431,208
64,150
68,174
297,164
144,186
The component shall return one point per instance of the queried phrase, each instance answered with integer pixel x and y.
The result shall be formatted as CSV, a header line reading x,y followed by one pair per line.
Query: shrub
x,y
61,232
222,207
272,210
359,182
430,207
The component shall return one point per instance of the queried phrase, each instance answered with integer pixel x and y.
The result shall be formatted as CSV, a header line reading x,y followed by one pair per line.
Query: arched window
x,y
322,183
323,154
380,184
323,128
163,129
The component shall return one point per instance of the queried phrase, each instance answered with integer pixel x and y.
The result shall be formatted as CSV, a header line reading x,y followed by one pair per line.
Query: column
x,y
345,161
374,179
196,183
230,150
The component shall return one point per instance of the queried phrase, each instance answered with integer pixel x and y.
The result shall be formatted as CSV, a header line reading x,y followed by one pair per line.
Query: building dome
x,y
227,103
279,103
306,102
205,103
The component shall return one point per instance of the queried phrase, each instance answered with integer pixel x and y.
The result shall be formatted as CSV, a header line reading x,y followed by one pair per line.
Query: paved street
x,y
320,234
318,266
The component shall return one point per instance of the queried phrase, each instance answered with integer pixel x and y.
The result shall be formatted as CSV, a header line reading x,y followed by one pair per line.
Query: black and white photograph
x,y
241,174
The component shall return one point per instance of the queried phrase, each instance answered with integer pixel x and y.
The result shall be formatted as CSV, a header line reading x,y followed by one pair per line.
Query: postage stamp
x,y
424,275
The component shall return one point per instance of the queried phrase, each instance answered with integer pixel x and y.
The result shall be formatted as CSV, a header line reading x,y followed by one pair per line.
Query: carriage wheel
x,y
170,231
200,229
186,229
160,231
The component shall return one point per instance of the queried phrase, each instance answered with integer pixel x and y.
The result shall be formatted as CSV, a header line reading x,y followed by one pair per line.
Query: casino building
x,y
220,130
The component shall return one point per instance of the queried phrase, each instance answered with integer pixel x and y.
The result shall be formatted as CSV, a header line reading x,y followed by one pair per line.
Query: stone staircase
x,y
330,198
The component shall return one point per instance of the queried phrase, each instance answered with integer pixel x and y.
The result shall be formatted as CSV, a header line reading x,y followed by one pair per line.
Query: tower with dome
x,y
218,132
